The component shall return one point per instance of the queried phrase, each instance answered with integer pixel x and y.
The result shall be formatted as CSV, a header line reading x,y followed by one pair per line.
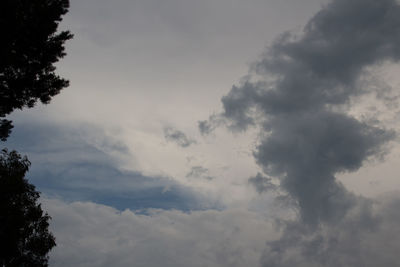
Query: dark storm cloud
x,y
66,165
306,150
178,137
321,67
298,95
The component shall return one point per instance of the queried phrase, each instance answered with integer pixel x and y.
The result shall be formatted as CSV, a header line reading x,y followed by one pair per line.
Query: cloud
x,y
89,234
367,236
85,163
178,137
262,183
306,150
208,126
199,172
299,95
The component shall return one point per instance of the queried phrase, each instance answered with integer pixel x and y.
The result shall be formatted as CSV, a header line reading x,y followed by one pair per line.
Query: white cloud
x,y
88,234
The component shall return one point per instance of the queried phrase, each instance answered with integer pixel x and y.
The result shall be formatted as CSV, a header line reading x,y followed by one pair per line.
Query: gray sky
x,y
305,134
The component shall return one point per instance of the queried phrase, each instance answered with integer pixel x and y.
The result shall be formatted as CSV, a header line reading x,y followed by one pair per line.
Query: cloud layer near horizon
x,y
90,234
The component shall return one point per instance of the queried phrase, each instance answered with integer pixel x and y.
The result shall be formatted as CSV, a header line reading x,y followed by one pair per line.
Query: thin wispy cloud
x,y
199,172
178,137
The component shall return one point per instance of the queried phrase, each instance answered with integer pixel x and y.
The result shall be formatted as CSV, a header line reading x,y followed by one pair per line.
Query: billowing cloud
x,y
299,95
366,236
89,234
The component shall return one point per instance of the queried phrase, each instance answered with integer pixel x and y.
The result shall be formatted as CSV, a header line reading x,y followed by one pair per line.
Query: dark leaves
x,y
29,48
24,236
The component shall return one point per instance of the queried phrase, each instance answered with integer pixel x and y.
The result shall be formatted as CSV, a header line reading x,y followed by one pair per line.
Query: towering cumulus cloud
x,y
298,94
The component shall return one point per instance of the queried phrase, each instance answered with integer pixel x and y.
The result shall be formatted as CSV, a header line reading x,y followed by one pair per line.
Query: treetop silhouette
x,y
24,236
30,46
29,49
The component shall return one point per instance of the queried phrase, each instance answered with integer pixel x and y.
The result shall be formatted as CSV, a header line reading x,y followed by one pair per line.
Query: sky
x,y
222,133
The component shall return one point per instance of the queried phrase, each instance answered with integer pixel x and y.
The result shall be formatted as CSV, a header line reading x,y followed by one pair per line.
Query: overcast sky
x,y
222,133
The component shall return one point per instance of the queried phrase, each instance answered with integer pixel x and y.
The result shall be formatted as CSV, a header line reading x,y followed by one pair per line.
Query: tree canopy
x,y
30,47
24,236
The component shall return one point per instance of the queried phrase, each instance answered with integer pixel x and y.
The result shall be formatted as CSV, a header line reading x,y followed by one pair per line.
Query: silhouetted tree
x,y
24,236
29,46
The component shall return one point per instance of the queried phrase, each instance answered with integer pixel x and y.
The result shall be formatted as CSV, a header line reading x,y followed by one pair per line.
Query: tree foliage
x,y
30,46
24,236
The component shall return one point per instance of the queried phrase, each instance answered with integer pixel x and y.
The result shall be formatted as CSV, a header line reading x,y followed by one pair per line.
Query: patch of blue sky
x,y
66,166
